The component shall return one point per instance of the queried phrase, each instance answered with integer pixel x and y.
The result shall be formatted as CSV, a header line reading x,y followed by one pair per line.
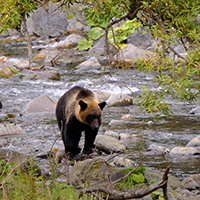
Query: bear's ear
x,y
102,105
83,105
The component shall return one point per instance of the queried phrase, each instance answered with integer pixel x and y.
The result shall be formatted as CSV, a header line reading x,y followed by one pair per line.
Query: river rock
x,y
99,48
142,39
177,151
44,75
123,162
80,171
16,63
195,111
48,24
112,134
155,175
157,149
78,25
40,105
68,42
101,95
109,144
117,122
90,64
132,52
195,142
119,100
10,129
192,182
1,106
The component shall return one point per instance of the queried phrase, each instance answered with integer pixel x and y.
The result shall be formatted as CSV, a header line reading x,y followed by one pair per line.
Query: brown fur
x,y
79,110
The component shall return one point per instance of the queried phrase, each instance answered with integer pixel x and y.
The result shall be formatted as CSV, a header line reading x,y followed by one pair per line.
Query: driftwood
x,y
130,193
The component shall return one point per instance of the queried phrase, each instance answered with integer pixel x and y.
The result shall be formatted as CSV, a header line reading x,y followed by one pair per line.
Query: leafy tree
x,y
171,22
13,13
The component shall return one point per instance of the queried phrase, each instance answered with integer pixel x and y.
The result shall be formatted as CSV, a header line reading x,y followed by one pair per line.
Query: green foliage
x,y
121,33
84,44
11,11
136,177
26,183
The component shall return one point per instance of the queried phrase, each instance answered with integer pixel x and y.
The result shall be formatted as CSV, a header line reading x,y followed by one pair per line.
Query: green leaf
x,y
85,44
95,33
138,178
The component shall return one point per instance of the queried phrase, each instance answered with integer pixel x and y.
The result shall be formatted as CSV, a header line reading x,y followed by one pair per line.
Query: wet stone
x,y
119,100
10,129
40,105
109,144
184,151
195,142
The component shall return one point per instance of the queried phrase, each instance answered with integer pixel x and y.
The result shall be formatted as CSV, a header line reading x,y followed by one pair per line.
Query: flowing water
x,y
41,131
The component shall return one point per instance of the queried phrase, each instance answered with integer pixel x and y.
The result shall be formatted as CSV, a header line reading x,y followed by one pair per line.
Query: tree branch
x,y
134,193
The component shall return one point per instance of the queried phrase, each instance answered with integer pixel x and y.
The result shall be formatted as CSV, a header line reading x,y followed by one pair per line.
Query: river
x,y
41,132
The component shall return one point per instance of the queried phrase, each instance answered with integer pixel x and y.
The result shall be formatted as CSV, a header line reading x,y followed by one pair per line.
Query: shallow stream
x,y
177,130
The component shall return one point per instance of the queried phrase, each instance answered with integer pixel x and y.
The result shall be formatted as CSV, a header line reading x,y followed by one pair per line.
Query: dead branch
x,y
134,193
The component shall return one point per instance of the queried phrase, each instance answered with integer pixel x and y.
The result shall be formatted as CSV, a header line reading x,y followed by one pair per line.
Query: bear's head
x,y
90,112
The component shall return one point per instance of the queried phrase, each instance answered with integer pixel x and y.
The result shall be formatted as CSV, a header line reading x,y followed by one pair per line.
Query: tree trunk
x,y
25,33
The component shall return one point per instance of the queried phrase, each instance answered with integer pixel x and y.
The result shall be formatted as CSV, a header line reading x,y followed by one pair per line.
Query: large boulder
x,y
40,105
109,144
85,169
141,38
50,22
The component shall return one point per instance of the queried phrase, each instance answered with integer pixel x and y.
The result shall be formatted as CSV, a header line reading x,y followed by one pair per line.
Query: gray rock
x,y
48,24
81,171
109,144
132,52
112,134
123,162
155,175
40,105
116,122
195,142
141,38
71,40
102,96
78,25
10,129
177,151
119,100
195,111
44,75
99,48
190,184
90,64
158,149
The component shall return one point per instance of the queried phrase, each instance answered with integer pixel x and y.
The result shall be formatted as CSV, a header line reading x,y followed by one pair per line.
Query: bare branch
x,y
133,193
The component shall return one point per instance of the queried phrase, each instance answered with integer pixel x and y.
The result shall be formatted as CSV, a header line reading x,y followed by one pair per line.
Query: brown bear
x,y
79,110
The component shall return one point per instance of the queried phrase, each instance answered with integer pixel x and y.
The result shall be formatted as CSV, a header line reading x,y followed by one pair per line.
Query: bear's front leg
x,y
72,138
90,136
